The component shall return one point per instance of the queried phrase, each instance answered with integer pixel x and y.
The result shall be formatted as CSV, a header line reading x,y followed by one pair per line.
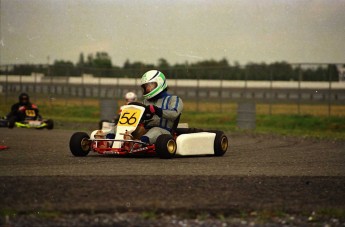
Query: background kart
x,y
31,120
182,141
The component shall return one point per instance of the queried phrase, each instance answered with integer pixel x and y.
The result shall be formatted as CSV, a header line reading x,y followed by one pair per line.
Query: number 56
x,y
125,119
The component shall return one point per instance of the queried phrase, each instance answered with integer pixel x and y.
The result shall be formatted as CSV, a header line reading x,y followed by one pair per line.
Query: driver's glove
x,y
152,109
21,109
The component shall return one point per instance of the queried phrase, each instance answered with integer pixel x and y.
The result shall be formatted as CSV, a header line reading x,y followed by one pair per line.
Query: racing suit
x,y
166,108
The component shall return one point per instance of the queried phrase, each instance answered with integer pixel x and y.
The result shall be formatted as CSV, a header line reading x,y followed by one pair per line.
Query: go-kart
x,y
124,140
31,120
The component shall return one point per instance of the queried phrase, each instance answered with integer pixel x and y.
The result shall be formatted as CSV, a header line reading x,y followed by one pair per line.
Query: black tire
x,y
50,124
166,146
11,123
221,143
79,144
3,123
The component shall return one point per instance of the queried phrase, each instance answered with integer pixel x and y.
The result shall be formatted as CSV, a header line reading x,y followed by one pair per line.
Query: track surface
x,y
258,172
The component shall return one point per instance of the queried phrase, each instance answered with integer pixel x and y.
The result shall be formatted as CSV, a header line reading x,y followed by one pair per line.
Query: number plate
x,y
30,113
129,120
130,117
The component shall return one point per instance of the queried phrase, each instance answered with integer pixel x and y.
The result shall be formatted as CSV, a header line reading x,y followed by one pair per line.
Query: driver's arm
x,y
171,111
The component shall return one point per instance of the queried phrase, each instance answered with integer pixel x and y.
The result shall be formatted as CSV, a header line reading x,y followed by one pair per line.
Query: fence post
x,y
6,85
245,83
329,90
271,92
221,94
67,90
299,90
197,93
82,90
99,87
35,90
20,84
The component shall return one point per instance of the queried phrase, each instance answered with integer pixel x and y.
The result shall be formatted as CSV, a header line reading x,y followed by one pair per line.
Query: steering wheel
x,y
147,114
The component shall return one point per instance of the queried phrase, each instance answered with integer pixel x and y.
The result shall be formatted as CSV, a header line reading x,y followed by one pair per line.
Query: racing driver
x,y
164,107
18,110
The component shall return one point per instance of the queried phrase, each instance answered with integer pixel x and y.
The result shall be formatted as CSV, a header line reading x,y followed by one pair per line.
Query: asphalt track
x,y
46,153
258,172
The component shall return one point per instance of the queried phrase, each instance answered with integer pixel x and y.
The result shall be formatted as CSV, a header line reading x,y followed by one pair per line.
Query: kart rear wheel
x,y
11,123
221,143
3,123
166,146
79,144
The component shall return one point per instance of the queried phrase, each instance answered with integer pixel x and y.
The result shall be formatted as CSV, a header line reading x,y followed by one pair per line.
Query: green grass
x,y
284,124
295,125
303,125
70,113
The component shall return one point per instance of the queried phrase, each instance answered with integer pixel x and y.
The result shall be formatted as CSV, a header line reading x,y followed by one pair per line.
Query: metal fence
x,y
198,91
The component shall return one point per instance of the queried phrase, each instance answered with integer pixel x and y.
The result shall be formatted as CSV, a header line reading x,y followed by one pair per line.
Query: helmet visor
x,y
24,99
148,87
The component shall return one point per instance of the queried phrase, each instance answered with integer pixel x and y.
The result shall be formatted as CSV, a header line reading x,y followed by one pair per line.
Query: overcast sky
x,y
177,30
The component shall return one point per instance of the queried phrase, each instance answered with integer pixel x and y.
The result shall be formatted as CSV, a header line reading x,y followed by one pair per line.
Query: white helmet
x,y
130,97
153,76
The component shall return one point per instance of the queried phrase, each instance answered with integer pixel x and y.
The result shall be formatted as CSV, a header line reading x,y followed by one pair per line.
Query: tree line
x,y
100,65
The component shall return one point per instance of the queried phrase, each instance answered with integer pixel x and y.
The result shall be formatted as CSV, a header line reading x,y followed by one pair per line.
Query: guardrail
x,y
258,91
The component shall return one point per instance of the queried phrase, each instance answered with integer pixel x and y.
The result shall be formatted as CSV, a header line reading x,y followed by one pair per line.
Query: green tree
x,y
282,71
102,60
81,62
333,73
163,64
98,65
136,69
63,68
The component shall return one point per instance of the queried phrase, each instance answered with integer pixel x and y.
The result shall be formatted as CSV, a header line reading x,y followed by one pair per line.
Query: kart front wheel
x,y
220,143
79,144
50,124
166,146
